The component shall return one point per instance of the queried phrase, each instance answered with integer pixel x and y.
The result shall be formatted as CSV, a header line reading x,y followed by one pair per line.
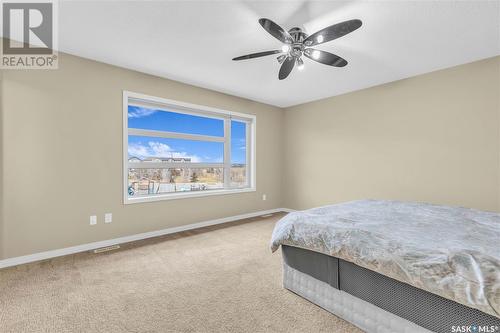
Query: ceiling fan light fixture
x,y
285,48
300,64
315,54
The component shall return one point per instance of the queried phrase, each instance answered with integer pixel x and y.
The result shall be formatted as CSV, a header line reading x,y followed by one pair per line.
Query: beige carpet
x,y
216,279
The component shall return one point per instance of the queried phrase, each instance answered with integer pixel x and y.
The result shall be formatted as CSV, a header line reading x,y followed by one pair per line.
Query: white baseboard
x,y
92,246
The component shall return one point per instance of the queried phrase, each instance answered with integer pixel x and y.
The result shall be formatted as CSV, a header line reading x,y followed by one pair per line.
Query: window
x,y
177,150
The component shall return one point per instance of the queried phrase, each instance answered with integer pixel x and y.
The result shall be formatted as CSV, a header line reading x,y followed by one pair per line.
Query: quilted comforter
x,y
449,251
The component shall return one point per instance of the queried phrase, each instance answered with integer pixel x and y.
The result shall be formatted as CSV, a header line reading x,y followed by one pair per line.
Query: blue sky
x,y
198,151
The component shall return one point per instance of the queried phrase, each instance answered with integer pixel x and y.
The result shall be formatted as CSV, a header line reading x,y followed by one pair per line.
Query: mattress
x,y
448,251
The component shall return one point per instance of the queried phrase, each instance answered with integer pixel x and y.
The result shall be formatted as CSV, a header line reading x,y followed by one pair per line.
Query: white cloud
x,y
242,144
158,149
138,150
138,112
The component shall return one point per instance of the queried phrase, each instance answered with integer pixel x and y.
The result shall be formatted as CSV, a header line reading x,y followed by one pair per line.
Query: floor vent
x,y
107,248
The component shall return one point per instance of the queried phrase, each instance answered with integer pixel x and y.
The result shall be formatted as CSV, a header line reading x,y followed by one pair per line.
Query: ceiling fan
x,y
297,43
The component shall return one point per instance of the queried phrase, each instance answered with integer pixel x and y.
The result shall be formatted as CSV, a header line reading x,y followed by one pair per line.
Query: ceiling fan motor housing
x,y
298,35
297,46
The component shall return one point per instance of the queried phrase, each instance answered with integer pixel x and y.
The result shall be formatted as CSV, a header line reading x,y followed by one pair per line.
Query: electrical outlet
x,y
108,218
93,220
264,197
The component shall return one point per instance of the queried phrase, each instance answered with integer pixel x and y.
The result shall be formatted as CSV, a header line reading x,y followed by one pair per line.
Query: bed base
x,y
371,301
366,316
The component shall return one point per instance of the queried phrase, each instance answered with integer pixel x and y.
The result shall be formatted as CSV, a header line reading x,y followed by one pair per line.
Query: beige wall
x,y
432,138
62,157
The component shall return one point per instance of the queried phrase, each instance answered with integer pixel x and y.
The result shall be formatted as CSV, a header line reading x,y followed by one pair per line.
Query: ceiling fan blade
x,y
275,30
324,57
286,68
332,32
256,55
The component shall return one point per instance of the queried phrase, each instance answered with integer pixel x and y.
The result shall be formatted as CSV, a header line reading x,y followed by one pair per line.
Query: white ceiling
x,y
194,42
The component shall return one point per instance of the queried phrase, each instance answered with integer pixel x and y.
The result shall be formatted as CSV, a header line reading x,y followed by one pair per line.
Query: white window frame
x,y
132,98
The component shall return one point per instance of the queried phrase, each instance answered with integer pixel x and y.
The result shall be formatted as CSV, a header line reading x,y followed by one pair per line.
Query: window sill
x,y
186,195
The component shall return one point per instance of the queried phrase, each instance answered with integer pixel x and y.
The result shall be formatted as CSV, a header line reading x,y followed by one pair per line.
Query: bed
x,y
390,266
